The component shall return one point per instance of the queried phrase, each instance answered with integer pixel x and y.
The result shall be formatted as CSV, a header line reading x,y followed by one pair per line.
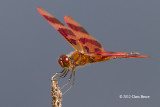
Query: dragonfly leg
x,y
54,77
73,78
68,82
65,73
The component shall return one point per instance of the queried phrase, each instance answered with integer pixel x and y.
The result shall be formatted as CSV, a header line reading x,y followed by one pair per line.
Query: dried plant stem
x,y
56,94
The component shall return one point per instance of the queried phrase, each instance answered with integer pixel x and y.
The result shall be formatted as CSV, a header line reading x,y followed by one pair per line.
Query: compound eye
x,y
60,62
66,59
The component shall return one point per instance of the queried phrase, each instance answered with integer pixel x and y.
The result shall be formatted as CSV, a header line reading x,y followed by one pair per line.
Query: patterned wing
x,y
66,32
89,43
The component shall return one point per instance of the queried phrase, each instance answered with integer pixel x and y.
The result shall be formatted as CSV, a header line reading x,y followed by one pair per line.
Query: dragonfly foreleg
x,y
65,73
55,77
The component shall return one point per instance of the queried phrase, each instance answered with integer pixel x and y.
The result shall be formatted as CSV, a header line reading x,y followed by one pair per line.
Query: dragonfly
x,y
88,50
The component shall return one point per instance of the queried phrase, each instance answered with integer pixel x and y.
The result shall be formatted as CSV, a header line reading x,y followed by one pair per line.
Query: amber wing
x,y
89,43
66,32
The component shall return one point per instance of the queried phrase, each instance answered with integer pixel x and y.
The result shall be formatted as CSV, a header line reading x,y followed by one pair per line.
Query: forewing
x,y
66,32
89,43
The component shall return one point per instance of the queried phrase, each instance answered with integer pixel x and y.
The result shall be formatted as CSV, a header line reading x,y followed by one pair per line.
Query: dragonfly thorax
x,y
64,61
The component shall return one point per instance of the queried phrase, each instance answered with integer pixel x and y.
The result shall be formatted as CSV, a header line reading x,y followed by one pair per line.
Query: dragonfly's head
x,y
64,61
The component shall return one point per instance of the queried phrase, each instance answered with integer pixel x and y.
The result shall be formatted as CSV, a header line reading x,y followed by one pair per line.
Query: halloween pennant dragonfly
x,y
87,48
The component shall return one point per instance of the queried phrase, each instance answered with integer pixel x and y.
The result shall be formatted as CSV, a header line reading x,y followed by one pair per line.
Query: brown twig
x,y
56,94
